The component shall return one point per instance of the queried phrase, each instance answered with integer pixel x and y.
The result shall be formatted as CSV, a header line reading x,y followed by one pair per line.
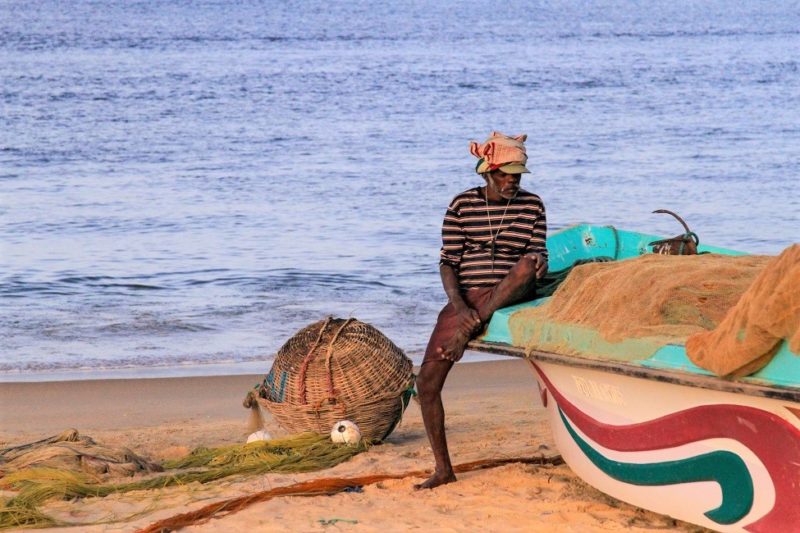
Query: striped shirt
x,y
520,227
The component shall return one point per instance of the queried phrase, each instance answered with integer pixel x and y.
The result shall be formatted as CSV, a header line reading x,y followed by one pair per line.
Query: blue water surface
x,y
187,183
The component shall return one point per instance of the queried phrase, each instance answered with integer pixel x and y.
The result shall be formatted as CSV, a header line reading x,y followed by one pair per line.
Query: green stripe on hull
x,y
723,467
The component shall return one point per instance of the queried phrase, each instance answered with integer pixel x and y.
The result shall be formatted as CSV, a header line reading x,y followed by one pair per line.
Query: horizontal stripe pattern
x,y
469,224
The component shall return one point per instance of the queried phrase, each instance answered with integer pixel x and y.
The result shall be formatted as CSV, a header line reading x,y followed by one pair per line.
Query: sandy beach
x,y
492,410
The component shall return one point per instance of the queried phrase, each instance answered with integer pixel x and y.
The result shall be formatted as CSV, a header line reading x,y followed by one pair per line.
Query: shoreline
x,y
180,371
105,403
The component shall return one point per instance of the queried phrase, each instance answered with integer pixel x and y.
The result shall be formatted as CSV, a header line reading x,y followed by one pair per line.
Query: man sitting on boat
x,y
493,252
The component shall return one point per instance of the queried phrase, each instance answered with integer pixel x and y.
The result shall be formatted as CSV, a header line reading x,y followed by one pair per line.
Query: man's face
x,y
505,185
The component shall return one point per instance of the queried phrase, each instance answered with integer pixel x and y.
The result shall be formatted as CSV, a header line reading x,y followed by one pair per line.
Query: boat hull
x,y
650,427
719,459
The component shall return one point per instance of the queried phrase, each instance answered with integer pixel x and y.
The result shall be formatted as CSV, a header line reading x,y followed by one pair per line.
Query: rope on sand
x,y
322,487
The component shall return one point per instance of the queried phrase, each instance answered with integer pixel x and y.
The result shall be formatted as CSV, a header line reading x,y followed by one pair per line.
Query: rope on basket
x,y
331,391
301,378
332,398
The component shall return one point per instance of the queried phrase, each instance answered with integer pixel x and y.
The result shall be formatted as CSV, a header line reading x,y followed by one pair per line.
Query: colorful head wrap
x,y
501,152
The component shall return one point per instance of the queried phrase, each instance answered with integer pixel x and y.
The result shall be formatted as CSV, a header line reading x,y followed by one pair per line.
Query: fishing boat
x,y
657,431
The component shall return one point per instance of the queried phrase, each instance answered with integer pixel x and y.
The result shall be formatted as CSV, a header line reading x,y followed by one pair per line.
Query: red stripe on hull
x,y
771,438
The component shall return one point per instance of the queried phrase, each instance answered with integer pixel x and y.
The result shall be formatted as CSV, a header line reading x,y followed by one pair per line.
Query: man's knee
x,y
429,382
525,269
425,386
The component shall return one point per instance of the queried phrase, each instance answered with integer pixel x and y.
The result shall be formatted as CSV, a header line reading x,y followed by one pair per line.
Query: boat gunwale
x,y
623,368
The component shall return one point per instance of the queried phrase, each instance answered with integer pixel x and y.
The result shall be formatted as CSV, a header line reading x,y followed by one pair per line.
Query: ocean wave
x,y
98,365
281,280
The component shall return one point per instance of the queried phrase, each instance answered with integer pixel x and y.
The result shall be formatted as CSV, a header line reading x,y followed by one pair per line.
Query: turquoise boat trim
x,y
498,326
784,369
585,241
673,357
723,467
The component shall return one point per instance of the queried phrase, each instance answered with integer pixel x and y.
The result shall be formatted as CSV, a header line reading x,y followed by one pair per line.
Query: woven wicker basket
x,y
335,370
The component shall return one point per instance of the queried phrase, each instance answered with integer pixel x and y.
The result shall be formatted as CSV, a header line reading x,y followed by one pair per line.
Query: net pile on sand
x,y
335,370
750,334
70,451
661,299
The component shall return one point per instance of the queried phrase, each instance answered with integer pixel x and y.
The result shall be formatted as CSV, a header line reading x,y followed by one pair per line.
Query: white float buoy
x,y
345,432
258,435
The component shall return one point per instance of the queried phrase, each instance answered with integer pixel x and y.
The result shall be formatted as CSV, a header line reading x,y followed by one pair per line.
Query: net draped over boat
x,y
766,314
657,300
334,370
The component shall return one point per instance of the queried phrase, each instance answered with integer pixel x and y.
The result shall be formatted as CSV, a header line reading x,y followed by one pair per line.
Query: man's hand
x,y
540,264
468,321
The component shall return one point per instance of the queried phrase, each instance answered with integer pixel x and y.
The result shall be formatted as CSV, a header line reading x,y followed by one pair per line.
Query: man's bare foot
x,y
435,480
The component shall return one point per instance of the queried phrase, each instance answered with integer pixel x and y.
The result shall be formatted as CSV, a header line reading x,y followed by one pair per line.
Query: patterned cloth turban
x,y
501,152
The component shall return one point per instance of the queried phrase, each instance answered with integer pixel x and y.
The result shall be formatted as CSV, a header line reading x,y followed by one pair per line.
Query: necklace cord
x,y
493,236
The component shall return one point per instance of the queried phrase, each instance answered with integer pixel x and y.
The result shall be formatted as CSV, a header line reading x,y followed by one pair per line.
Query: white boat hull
x,y
724,460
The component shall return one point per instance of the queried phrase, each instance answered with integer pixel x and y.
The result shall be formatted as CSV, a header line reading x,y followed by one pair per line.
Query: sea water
x,y
183,185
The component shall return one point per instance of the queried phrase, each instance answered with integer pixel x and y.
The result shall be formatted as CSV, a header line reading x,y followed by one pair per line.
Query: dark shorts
x,y
447,323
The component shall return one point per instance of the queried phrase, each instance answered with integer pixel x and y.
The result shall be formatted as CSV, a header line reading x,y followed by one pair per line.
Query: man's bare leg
x,y
517,283
429,387
515,286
